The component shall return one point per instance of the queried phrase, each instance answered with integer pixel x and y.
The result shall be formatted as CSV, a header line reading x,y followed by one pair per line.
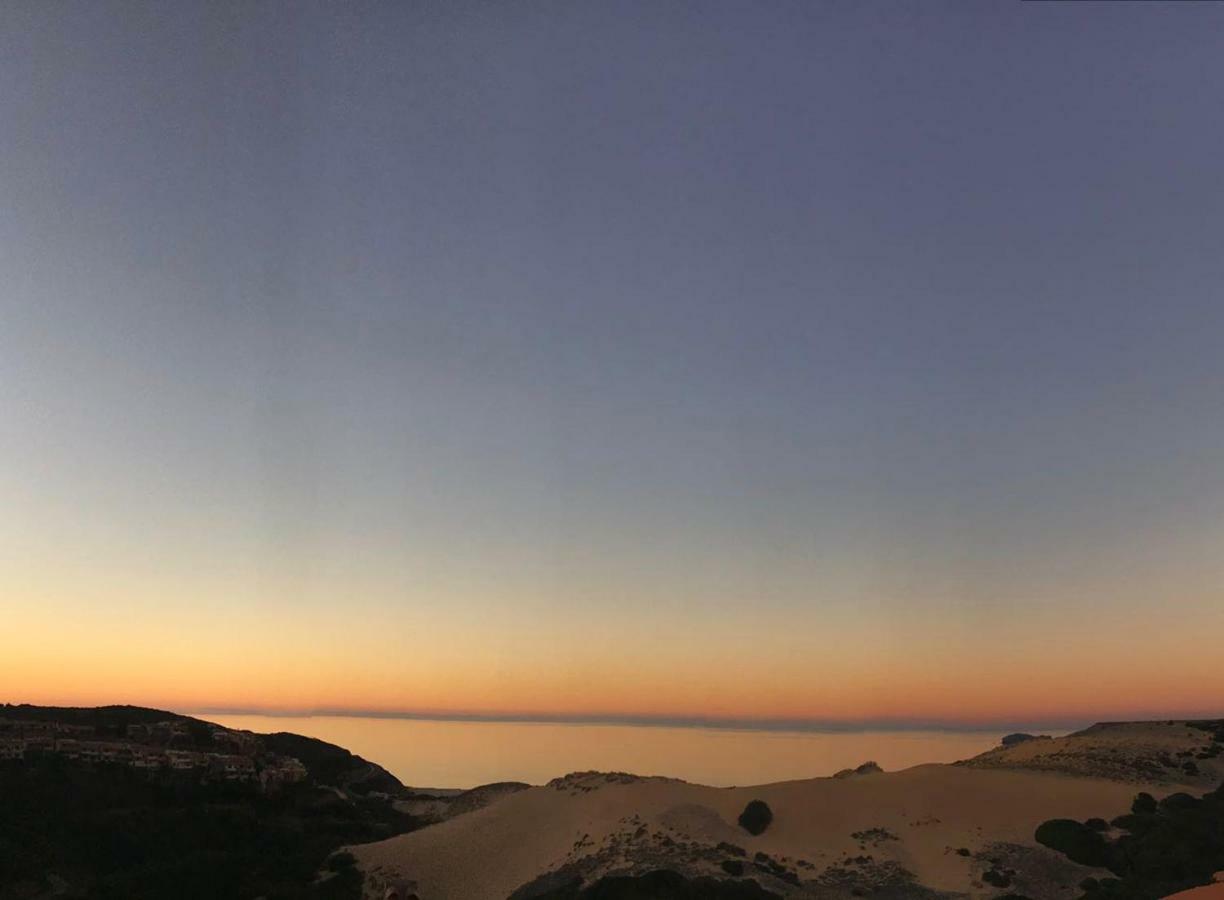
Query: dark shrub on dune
x,y
1097,824
1145,804
666,885
1179,801
756,817
1133,824
659,885
997,878
338,862
1168,847
1076,841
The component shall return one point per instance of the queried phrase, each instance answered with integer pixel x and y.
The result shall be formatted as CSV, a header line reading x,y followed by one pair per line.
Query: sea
x,y
442,753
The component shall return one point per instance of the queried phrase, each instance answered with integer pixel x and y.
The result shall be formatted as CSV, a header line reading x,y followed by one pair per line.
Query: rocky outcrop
x,y
868,768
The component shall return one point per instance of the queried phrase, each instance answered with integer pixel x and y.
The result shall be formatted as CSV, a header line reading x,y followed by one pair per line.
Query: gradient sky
x,y
784,360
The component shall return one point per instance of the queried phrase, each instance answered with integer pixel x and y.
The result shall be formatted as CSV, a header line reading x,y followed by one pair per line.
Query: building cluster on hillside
x,y
238,756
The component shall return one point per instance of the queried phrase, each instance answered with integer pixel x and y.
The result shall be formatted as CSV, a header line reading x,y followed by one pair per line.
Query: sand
x,y
1128,751
1207,892
917,819
933,811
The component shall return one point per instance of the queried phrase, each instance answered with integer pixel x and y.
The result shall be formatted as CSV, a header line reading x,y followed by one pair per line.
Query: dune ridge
x,y
963,829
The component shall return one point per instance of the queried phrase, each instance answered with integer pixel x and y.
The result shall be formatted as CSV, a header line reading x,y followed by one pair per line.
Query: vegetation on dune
x,y
756,817
658,885
1078,842
1161,848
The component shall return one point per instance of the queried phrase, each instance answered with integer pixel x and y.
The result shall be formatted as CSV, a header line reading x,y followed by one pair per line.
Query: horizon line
x,y
729,723
1071,722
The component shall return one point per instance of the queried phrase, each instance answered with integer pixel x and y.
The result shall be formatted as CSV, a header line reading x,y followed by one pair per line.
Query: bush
x,y
756,817
1145,804
337,862
1077,842
662,885
1133,823
997,878
1179,801
1171,846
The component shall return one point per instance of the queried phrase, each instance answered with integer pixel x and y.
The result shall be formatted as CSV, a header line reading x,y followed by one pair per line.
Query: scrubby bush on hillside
x,y
338,862
1076,841
662,884
1144,804
756,817
121,835
1168,846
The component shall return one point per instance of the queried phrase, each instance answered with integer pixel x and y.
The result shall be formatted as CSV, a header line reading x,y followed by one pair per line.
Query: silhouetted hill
x,y
326,764
329,764
106,716
84,814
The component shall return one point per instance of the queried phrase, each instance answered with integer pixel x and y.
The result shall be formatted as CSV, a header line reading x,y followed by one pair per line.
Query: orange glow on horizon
x,y
1014,663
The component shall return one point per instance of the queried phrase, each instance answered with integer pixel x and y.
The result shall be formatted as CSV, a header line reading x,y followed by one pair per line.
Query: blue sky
x,y
842,317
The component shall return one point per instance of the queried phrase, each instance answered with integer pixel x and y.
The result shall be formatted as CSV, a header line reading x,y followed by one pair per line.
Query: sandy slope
x,y
438,806
1134,751
1208,892
597,823
933,810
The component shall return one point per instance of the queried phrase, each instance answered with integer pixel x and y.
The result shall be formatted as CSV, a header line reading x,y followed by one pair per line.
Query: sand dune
x,y
1207,892
1129,751
931,827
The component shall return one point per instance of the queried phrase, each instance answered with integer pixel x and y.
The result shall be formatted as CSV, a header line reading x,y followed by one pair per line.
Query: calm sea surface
x,y
433,753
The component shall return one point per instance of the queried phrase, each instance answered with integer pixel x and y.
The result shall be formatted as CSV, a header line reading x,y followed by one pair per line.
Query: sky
x,y
721,361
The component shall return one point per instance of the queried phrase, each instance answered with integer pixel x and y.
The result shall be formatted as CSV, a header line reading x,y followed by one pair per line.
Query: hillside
x,y
1183,752
329,764
125,802
325,763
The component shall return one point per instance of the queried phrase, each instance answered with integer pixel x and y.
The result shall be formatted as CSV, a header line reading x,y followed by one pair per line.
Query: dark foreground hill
x,y
325,763
126,802
329,764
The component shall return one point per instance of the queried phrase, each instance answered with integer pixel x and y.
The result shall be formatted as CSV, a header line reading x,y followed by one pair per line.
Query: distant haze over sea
x,y
462,752
678,721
